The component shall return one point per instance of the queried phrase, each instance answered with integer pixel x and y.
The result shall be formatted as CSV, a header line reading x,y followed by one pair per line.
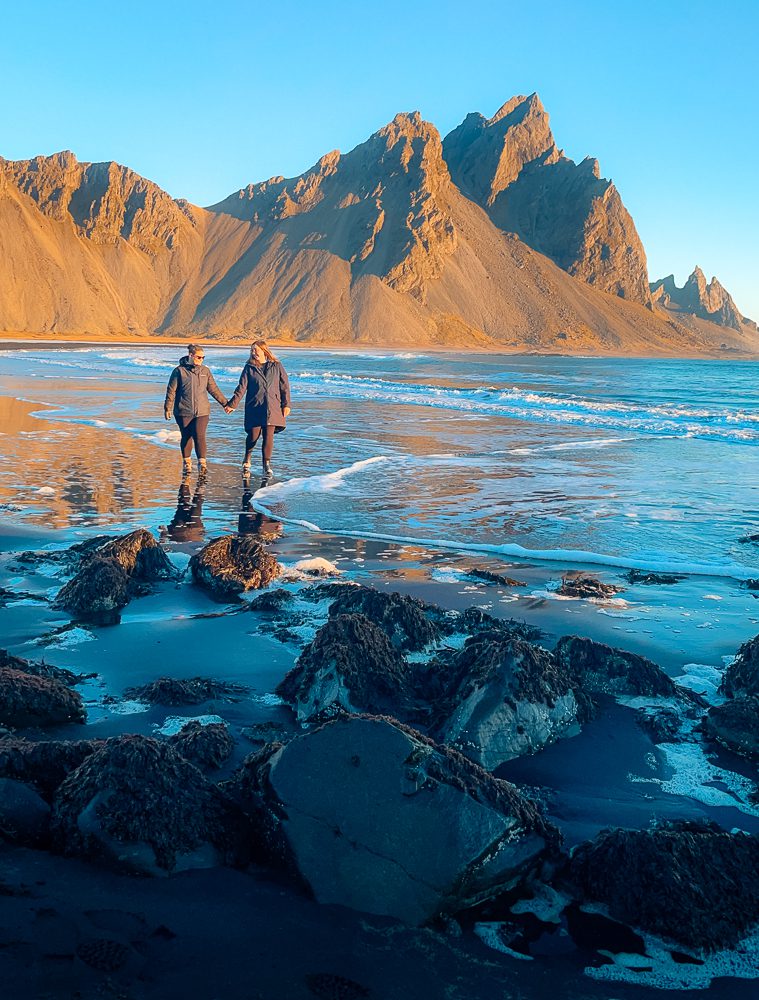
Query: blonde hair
x,y
270,356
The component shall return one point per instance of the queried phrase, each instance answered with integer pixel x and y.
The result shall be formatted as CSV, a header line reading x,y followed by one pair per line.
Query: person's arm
x,y
237,395
171,391
216,392
284,391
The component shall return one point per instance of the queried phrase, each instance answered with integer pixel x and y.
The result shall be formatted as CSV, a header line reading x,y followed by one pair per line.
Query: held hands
x,y
228,408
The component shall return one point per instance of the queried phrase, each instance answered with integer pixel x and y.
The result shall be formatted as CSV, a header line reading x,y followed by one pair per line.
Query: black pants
x,y
267,444
193,432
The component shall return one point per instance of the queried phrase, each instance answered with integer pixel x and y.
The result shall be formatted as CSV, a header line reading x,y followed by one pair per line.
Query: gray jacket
x,y
188,389
267,393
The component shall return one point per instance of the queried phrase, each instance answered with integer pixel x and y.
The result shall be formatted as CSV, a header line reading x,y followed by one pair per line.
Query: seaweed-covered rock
x,y
205,746
230,565
174,691
111,572
350,666
97,593
488,576
652,579
40,669
586,585
381,819
44,765
272,602
403,619
29,700
742,675
691,883
475,621
735,724
508,698
24,814
602,669
136,802
139,555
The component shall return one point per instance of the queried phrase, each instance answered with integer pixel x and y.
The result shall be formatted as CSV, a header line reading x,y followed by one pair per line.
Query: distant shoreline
x,y
10,340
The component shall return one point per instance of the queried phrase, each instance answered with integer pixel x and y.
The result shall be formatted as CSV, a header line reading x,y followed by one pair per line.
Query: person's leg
x,y
251,439
267,447
185,442
199,436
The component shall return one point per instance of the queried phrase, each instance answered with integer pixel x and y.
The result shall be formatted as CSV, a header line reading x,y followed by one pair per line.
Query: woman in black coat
x,y
187,394
266,388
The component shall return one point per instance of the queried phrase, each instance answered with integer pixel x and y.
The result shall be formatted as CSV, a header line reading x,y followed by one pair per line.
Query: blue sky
x,y
204,98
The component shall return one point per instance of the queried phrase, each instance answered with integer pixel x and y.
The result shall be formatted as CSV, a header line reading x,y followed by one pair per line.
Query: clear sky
x,y
203,98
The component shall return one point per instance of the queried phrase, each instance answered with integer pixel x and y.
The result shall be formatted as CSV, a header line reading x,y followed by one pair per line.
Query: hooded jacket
x,y
188,389
267,392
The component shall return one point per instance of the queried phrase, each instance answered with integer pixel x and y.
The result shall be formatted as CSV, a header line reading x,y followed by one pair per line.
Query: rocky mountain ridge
x,y
490,238
710,301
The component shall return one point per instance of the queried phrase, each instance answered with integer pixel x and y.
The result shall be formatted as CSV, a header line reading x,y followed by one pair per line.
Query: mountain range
x,y
488,238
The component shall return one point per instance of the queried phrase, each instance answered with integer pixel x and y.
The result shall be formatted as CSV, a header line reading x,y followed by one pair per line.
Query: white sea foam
x,y
128,707
704,680
741,962
173,723
490,934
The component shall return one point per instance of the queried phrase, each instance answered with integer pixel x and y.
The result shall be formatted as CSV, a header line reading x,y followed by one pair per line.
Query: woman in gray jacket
x,y
187,398
266,387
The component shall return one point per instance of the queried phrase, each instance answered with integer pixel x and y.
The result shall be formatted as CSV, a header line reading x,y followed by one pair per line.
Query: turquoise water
x,y
622,462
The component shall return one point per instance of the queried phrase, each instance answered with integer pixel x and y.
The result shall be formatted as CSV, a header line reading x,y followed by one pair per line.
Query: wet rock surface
x,y
603,669
140,805
652,579
350,666
441,832
40,668
507,698
205,746
742,675
233,564
735,724
585,585
173,691
691,883
403,619
30,700
97,593
488,576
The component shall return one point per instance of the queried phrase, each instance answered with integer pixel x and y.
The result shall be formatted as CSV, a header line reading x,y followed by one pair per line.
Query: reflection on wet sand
x,y
187,524
254,522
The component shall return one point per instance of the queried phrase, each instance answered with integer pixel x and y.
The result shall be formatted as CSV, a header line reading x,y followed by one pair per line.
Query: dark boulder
x,y
691,883
602,669
230,565
44,765
97,593
652,579
735,724
488,576
24,814
29,700
137,803
742,675
272,602
403,619
111,573
205,746
378,818
350,666
586,585
475,621
173,691
507,698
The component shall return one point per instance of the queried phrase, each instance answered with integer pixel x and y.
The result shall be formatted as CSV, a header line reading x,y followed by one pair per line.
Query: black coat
x,y
267,393
188,389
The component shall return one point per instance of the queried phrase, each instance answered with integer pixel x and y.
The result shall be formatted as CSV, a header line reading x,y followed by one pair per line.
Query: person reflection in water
x,y
254,522
187,524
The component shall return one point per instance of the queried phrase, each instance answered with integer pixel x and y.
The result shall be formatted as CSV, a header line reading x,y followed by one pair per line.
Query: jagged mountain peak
x,y
708,300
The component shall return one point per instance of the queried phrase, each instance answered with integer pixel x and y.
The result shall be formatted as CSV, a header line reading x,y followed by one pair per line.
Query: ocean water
x,y
627,462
